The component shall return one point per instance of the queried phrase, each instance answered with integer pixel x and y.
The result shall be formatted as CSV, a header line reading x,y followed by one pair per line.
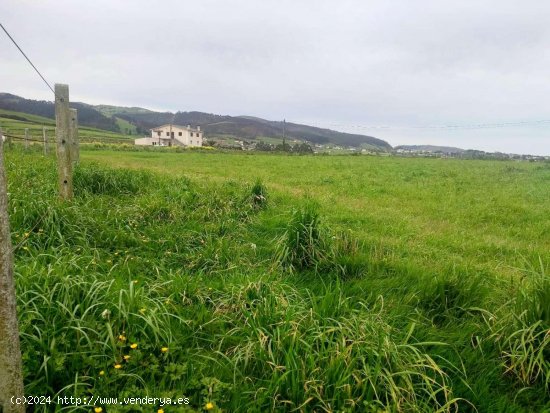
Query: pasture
x,y
251,282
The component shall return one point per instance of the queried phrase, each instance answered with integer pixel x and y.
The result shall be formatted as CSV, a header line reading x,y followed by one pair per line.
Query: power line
x,y
26,57
439,127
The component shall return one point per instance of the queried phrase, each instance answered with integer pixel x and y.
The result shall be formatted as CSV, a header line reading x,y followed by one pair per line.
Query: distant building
x,y
173,135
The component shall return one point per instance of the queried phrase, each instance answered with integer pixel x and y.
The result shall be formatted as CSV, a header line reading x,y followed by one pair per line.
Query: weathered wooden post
x,y
8,142
45,138
11,370
62,131
75,144
26,138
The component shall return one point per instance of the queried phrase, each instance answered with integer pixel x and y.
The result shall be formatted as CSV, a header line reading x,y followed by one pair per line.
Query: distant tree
x,y
263,146
283,147
302,148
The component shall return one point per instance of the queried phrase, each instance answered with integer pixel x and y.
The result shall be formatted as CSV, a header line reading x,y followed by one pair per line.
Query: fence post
x,y
26,138
45,138
62,122
75,144
11,370
8,139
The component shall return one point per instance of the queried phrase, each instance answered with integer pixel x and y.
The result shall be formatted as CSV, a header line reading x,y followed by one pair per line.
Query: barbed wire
x,y
23,138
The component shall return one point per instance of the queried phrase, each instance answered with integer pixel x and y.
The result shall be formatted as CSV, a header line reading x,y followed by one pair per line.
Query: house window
x,y
167,133
154,144
191,134
179,133
158,133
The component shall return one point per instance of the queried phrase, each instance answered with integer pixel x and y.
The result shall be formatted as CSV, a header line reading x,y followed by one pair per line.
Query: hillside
x,y
430,148
17,122
135,120
248,127
87,114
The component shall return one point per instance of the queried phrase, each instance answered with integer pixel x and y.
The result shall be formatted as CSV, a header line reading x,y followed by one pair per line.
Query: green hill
x,y
87,114
247,127
15,124
136,121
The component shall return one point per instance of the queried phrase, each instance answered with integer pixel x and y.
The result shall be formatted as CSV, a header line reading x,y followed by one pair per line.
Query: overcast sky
x,y
390,69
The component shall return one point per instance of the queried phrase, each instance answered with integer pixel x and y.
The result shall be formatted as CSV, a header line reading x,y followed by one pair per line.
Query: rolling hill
x,y
135,120
430,148
88,115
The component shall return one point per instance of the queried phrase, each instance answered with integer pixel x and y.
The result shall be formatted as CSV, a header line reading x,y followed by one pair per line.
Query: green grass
x,y
15,124
415,285
125,127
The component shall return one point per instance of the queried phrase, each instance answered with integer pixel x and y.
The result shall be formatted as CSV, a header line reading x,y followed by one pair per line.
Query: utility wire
x,y
475,126
26,57
543,122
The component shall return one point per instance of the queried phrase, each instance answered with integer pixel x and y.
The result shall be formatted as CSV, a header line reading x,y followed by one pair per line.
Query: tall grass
x,y
182,267
526,344
303,245
95,180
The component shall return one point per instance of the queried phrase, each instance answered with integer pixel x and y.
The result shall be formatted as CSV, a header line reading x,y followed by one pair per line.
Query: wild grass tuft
x,y
303,246
526,345
258,195
100,180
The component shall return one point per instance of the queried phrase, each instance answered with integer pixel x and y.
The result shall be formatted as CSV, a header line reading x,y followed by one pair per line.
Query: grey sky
x,y
348,65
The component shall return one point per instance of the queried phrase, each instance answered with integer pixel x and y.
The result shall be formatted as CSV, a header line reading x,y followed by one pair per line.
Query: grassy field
x,y
15,124
285,283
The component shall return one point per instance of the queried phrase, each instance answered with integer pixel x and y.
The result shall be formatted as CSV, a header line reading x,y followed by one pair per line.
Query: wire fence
x,y
52,139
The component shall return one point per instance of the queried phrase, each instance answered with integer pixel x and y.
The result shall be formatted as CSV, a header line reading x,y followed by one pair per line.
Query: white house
x,y
172,135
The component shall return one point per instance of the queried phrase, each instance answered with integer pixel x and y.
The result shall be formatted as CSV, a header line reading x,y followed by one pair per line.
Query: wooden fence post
x,y
26,138
11,370
75,144
62,122
8,139
45,138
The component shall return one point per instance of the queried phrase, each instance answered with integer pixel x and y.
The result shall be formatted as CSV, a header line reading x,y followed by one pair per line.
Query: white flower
x,y
106,313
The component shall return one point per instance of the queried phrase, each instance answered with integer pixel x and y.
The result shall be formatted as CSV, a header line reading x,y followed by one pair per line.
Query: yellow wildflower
x,y
134,346
135,281
164,349
101,373
118,366
126,357
160,411
209,406
122,337
142,310
98,409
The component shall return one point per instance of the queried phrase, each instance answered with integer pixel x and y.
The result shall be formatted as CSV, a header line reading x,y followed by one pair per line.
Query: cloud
x,y
397,63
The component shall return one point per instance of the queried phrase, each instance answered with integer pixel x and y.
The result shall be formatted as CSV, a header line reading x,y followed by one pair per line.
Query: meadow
x,y
262,282
15,123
